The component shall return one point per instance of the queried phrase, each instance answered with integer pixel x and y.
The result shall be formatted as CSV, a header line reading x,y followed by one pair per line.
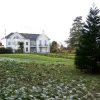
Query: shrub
x,y
2,50
9,50
6,50
20,48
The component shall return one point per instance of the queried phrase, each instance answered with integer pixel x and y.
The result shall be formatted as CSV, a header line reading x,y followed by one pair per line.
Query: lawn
x,y
59,55
37,57
57,80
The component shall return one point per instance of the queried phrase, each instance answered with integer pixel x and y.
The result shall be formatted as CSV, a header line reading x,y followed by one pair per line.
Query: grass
x,y
58,55
37,57
45,81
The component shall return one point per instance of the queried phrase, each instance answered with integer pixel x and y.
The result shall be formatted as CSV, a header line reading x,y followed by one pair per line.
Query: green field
x,y
58,55
38,58
36,77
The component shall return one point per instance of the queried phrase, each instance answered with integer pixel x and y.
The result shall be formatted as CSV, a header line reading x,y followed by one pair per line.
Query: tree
x,y
61,47
20,48
53,46
0,43
75,33
88,52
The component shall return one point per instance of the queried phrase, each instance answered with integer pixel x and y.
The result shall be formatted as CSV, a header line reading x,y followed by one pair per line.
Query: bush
x,y
2,50
9,50
19,50
6,50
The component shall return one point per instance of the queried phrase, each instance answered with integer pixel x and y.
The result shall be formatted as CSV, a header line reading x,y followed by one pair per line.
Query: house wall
x,y
44,48
26,46
33,46
14,42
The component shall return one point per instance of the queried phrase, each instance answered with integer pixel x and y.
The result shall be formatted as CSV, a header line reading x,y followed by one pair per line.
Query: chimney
x,y
5,33
43,32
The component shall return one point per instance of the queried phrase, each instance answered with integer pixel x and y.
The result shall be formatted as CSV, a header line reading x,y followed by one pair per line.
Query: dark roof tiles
x,y
25,35
30,36
9,35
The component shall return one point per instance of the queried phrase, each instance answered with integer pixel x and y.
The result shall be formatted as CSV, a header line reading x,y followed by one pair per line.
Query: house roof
x,y
25,35
9,35
29,36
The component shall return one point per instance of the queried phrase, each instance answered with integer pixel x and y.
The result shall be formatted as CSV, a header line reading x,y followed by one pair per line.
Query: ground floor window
x,y
27,49
33,49
46,49
40,49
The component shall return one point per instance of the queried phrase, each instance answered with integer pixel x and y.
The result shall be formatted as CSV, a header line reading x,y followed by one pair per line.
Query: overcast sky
x,y
55,17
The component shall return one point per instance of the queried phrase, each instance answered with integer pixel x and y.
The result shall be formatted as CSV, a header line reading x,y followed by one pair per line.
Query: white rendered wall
x,y
14,42
43,38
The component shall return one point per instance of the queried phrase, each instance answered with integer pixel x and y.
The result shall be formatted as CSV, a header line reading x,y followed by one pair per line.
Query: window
x,y
27,49
40,43
45,43
32,43
46,49
26,43
9,43
16,37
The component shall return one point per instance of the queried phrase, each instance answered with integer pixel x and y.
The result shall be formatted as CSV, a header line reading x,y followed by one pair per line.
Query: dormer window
x,y
16,37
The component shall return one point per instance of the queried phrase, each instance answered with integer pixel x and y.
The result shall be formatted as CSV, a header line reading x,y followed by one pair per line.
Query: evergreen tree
x,y
88,52
75,33
53,46
0,43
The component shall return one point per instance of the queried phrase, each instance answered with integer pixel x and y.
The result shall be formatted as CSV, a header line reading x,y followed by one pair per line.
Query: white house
x,y
38,43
